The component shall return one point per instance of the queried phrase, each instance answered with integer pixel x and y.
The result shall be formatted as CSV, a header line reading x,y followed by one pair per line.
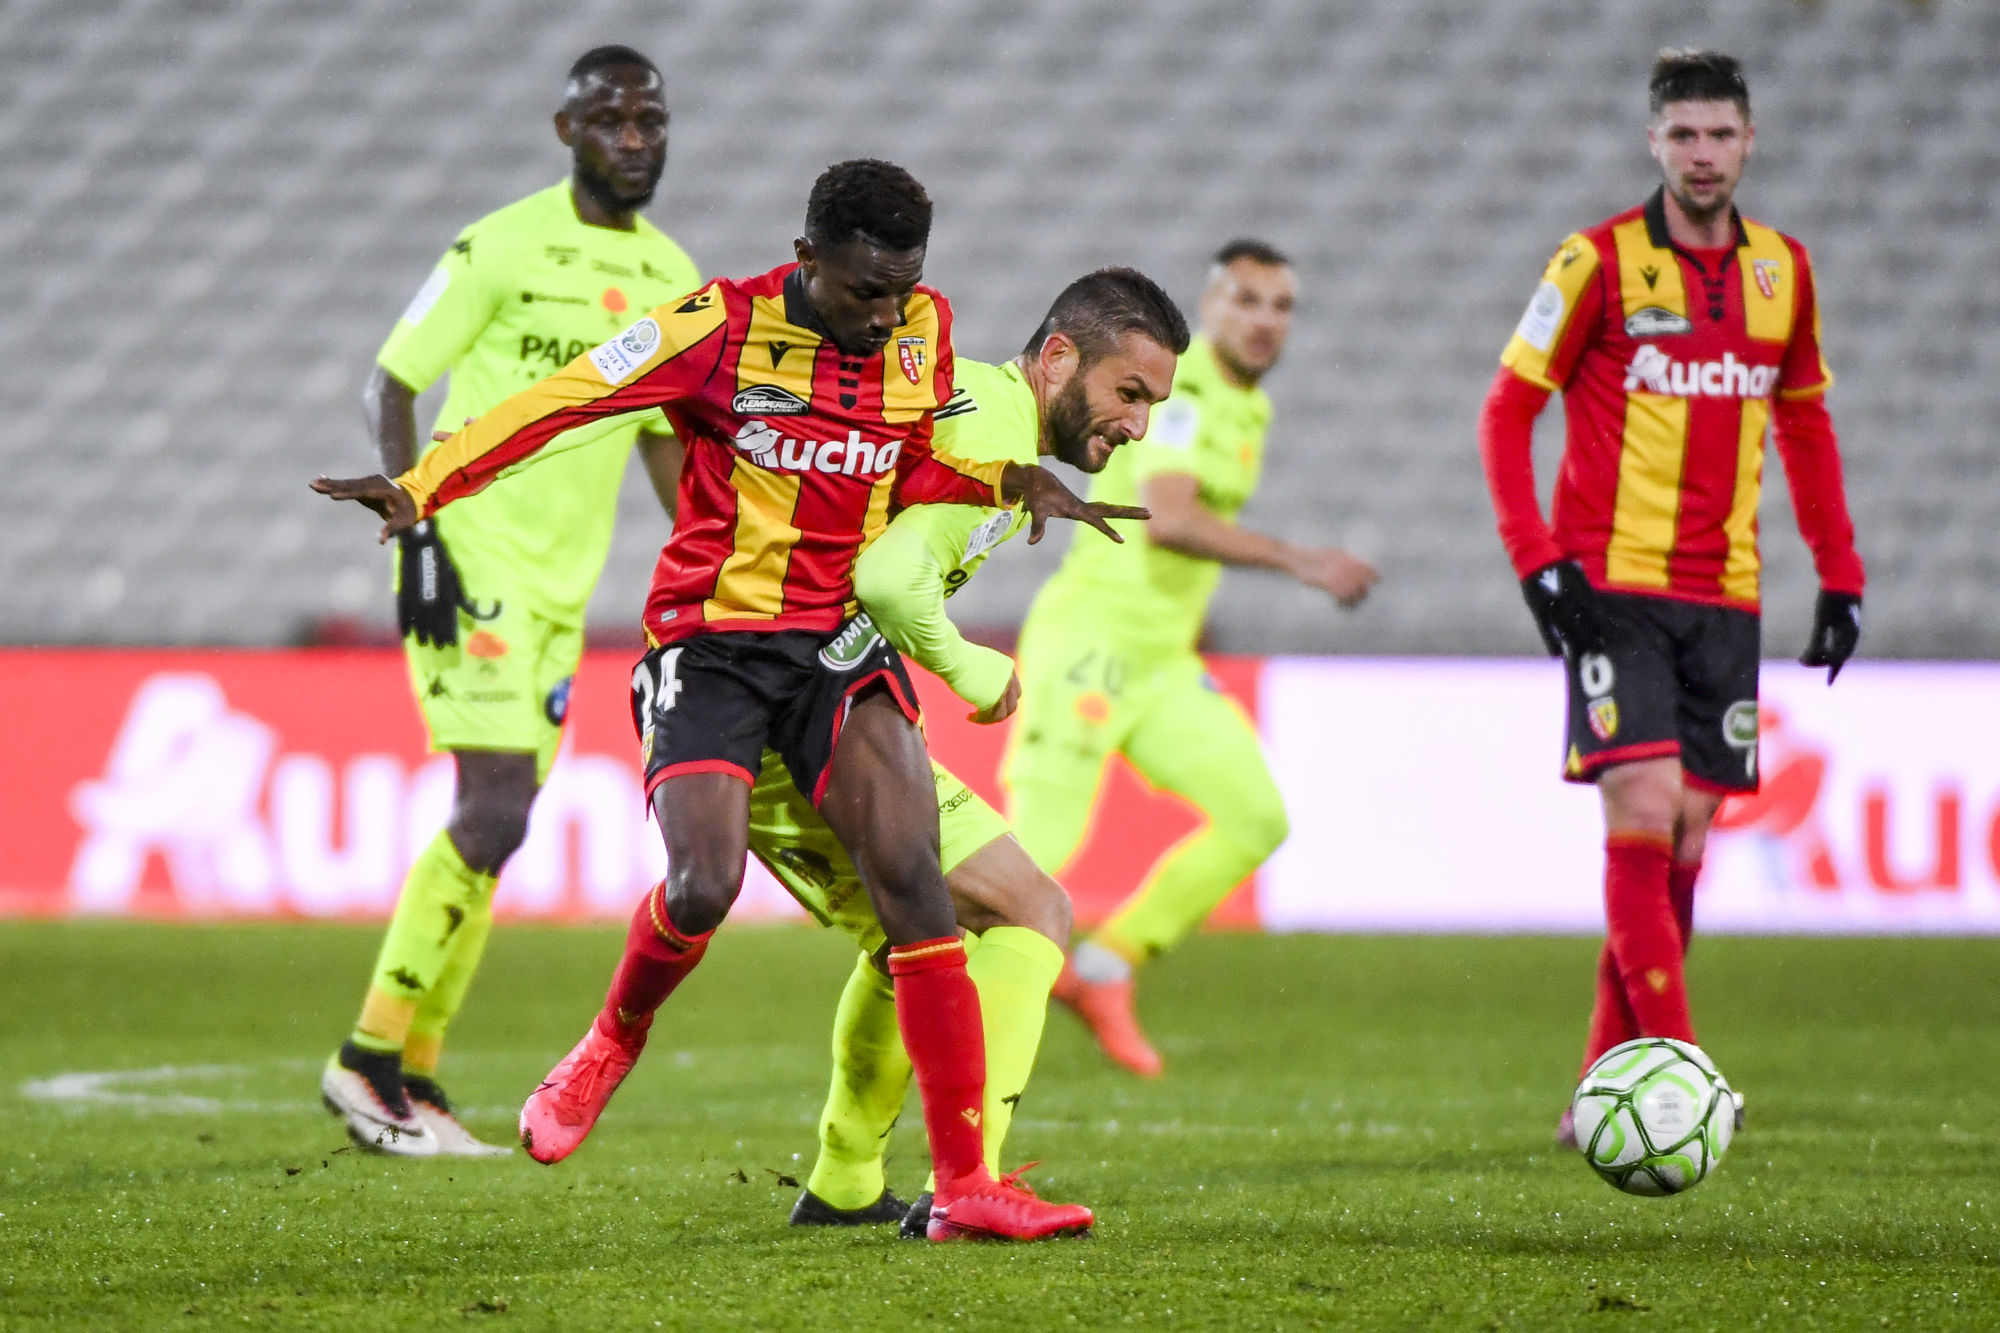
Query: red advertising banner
x,y
296,783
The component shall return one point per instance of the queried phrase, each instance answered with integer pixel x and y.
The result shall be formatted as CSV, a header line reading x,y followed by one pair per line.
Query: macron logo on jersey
x,y
1655,372
850,457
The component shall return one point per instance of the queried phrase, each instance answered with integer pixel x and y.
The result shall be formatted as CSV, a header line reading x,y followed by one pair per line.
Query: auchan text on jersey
x,y
851,457
1653,371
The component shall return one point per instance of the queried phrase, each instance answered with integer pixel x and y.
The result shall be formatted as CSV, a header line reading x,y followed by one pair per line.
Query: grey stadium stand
x,y
211,211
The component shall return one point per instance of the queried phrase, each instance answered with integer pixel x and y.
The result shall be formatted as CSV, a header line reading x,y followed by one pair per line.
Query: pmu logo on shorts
x,y
851,457
850,648
1655,372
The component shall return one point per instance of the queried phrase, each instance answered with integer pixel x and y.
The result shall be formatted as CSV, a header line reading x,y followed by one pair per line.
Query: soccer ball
x,y
1654,1116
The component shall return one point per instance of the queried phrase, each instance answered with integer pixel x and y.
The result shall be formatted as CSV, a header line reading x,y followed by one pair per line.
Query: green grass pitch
x,y
1353,1133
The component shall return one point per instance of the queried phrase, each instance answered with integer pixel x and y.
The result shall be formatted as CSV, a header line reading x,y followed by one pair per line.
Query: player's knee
x,y
700,891
489,828
1642,797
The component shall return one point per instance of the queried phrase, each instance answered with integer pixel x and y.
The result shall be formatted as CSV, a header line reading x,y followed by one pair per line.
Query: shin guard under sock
x,y
1645,938
441,896
871,1077
937,1008
1014,969
657,957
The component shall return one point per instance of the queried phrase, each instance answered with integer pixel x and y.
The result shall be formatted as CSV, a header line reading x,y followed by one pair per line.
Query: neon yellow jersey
x,y
522,293
929,551
1142,595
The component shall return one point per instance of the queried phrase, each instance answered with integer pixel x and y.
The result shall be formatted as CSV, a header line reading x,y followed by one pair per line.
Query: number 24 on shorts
x,y
655,686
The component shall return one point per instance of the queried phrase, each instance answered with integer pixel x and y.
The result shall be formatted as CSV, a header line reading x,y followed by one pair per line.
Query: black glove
x,y
1566,609
427,593
1836,630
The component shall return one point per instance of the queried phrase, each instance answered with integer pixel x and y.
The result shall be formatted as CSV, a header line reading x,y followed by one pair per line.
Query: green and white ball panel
x,y
1653,1116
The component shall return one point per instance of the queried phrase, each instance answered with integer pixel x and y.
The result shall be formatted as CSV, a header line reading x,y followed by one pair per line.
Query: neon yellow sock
x,y
1014,969
441,1003
441,896
871,1076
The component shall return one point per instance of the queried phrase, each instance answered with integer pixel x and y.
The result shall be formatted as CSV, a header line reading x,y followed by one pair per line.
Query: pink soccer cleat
x,y
559,1114
1106,1008
979,1207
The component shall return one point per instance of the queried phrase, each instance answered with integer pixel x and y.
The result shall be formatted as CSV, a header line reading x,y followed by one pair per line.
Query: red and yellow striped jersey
x,y
1670,362
796,453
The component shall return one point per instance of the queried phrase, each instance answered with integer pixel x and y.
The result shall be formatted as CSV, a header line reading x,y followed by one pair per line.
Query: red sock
x,y
1611,1018
656,957
1680,888
1645,938
938,1011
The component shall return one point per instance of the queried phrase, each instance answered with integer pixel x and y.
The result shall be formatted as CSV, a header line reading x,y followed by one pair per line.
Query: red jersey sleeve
x,y
1506,451
1804,371
1803,429
663,358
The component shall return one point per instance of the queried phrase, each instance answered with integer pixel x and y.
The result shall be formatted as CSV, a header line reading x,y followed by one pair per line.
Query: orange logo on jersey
x,y
614,300
1766,272
485,644
910,352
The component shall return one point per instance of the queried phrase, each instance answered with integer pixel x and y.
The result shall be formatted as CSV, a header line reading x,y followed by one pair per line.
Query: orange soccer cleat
x,y
1106,1009
559,1114
979,1207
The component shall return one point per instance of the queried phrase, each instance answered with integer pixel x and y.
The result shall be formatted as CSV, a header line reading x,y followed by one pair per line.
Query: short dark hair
x,y
1688,74
872,199
606,57
1256,251
1099,308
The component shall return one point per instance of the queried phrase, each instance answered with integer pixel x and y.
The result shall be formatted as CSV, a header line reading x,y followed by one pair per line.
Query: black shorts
x,y
713,702
1679,681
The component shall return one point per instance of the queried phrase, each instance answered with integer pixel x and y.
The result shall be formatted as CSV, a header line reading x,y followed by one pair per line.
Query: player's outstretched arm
x,y
900,580
1181,522
1042,493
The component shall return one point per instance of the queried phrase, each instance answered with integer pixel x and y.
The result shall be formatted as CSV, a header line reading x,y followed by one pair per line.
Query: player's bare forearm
x,y
1043,495
1181,522
397,508
662,456
391,406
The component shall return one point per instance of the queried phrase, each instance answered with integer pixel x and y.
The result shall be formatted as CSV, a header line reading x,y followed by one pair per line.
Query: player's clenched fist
x,y
1343,577
385,497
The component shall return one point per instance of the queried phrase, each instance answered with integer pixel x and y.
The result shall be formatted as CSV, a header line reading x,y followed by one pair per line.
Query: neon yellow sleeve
x,y
902,580
447,314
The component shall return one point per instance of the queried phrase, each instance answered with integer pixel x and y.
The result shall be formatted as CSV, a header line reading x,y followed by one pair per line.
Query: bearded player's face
x,y
1247,314
859,290
614,123
1701,148
1108,402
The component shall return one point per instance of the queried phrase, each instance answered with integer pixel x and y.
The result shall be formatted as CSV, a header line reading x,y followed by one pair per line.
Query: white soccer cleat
x,y
437,1115
366,1092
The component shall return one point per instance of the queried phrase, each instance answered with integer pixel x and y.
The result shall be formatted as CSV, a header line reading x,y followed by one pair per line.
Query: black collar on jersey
x,y
799,311
1656,223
